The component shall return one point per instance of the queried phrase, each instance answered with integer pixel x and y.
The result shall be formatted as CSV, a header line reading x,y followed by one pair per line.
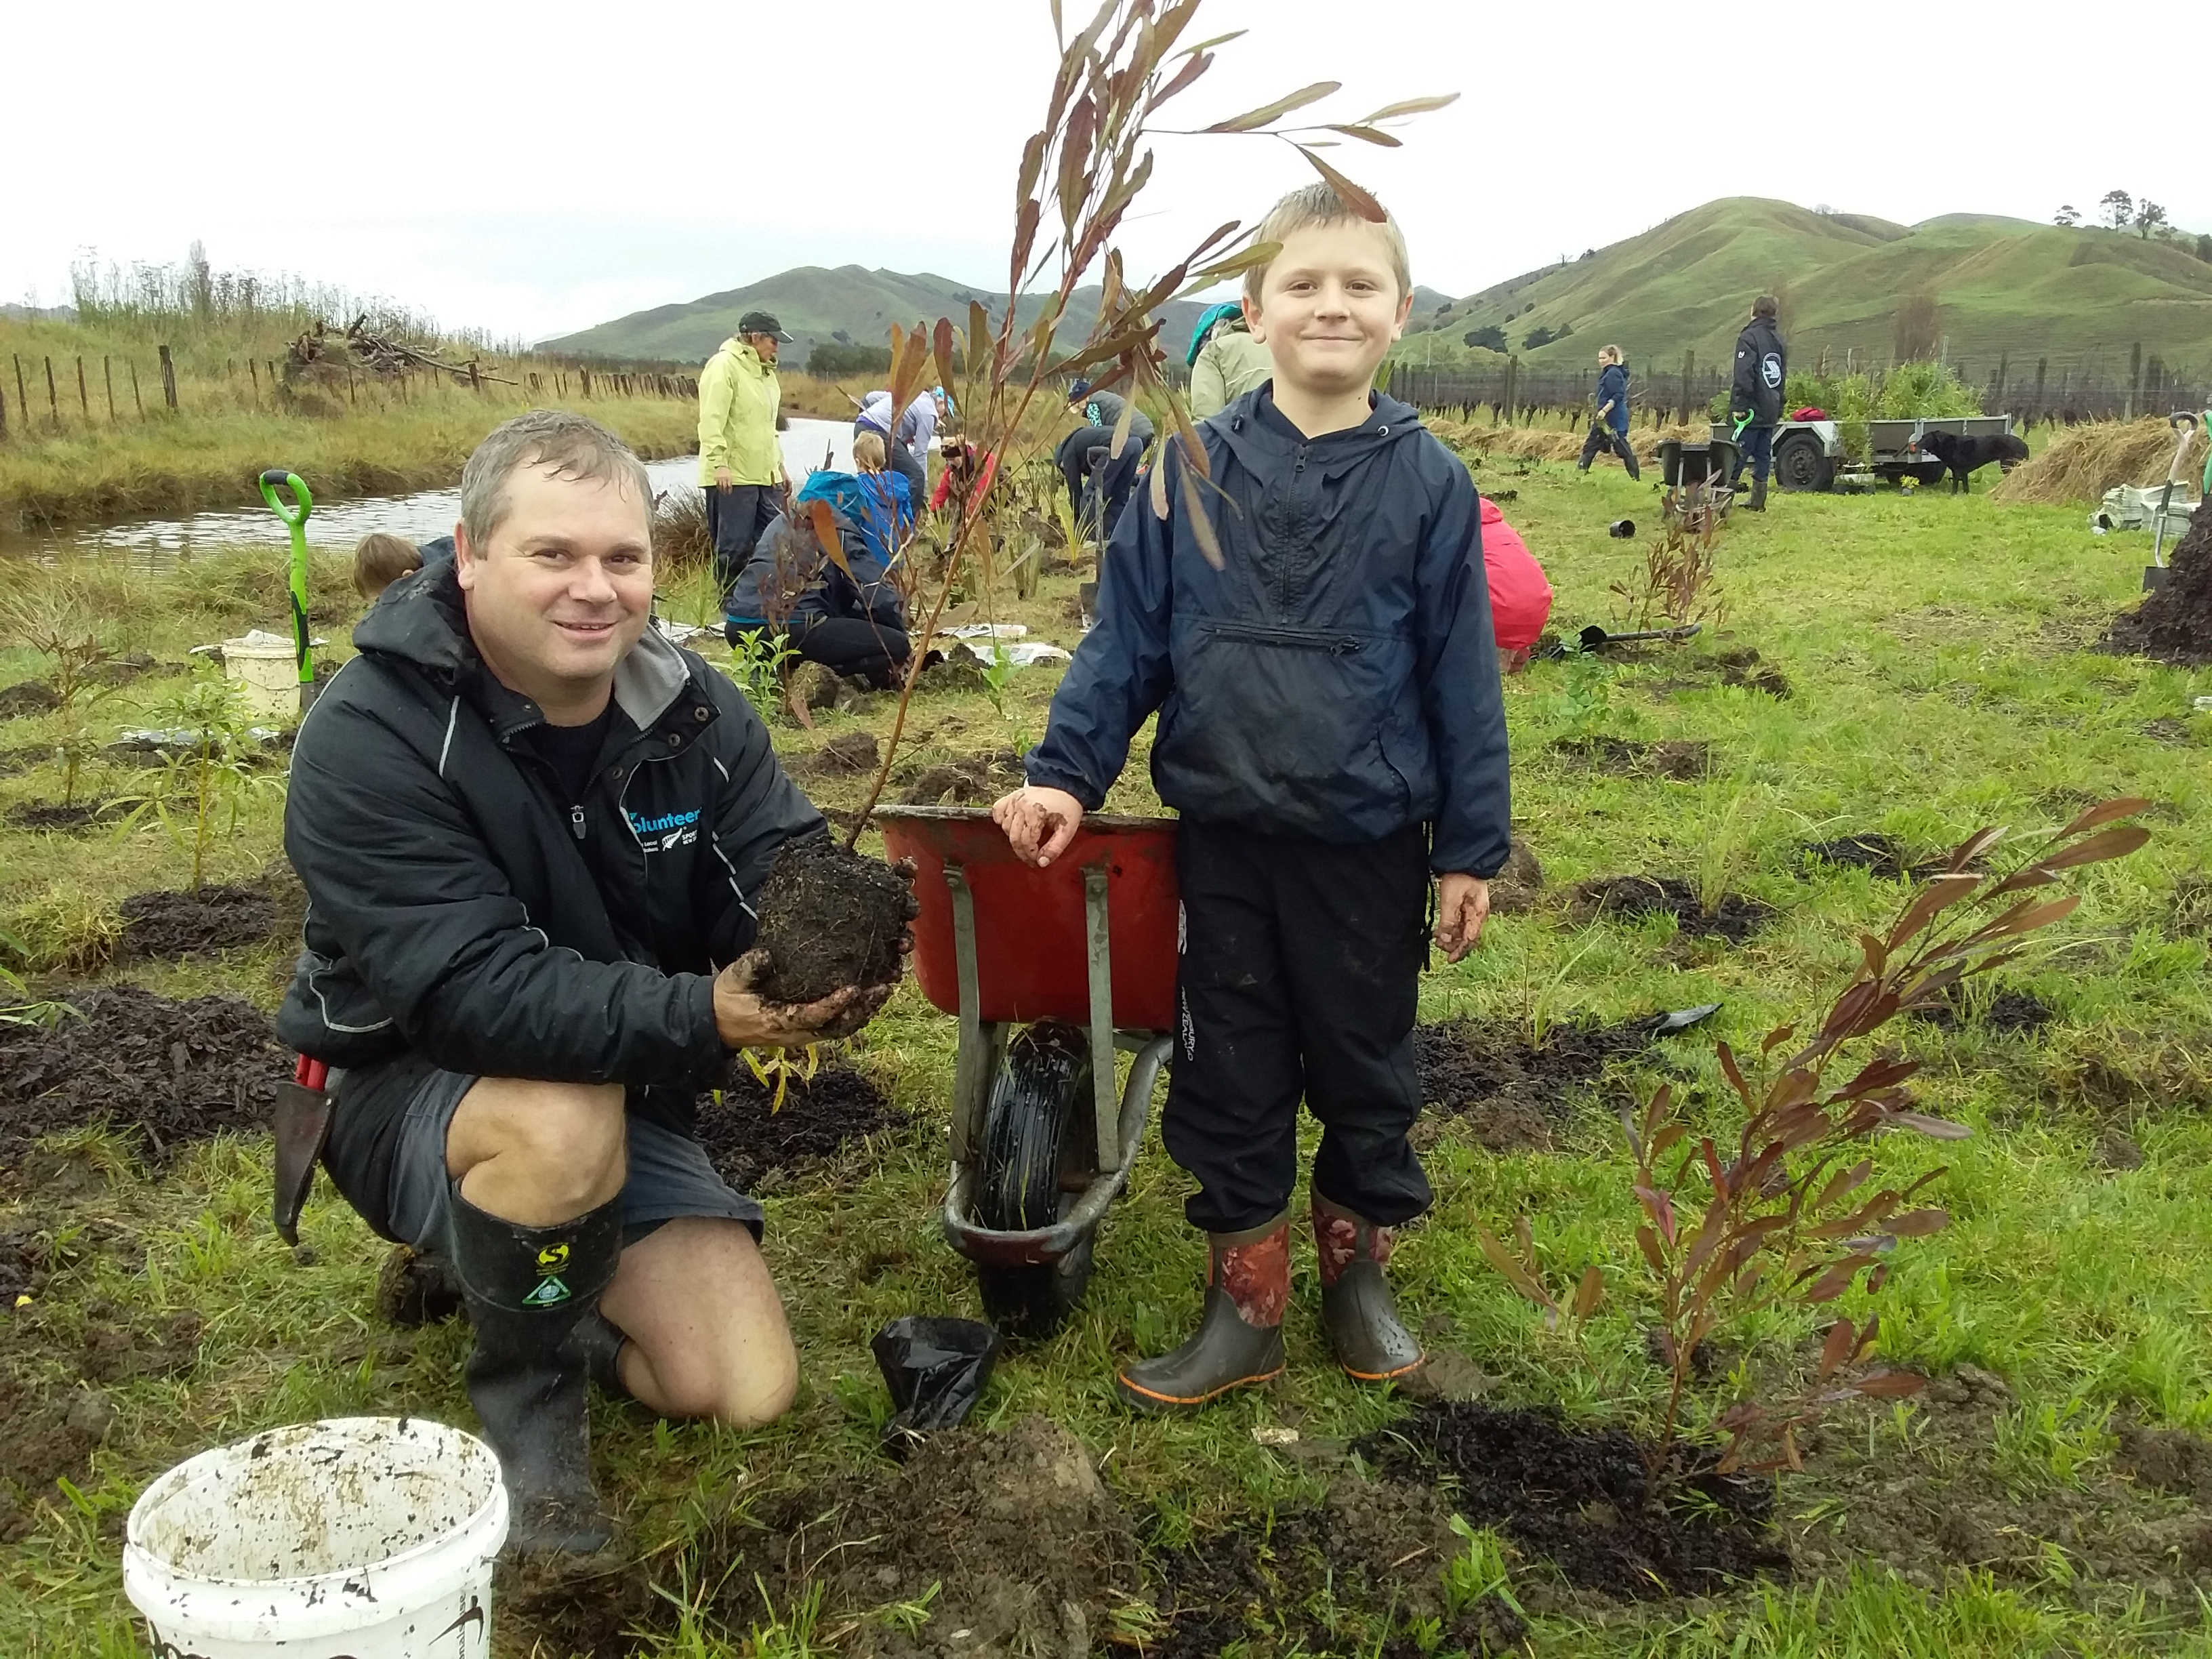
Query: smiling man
x,y
528,827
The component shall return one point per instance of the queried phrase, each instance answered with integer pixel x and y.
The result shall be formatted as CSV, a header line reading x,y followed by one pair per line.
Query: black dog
x,y
1964,455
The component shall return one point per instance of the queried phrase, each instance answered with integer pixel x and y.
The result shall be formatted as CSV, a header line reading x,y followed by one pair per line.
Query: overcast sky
x,y
532,170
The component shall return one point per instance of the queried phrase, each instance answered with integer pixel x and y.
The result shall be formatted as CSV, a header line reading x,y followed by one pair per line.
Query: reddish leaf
x,y
1209,546
1515,1274
1946,890
1409,107
1181,81
2125,807
1660,1208
825,521
1728,1069
1284,105
1648,1242
1351,194
1365,135
1891,1385
1032,165
1841,1342
1918,1223
1973,847
1776,1038
979,340
1590,1293
2098,848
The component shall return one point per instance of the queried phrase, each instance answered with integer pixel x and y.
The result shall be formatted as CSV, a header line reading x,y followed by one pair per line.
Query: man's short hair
x,y
1320,204
381,560
571,446
1764,305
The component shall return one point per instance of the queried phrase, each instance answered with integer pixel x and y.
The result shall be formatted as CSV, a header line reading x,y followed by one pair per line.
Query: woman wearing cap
x,y
1225,361
740,457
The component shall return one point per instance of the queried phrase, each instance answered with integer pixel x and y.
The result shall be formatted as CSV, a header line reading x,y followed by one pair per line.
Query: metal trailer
x,y
1809,455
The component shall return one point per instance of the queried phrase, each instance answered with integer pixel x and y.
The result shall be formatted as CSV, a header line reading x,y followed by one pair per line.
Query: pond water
x,y
155,544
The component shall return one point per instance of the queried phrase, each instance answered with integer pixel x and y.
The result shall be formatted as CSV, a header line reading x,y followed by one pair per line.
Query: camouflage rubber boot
x,y
1240,1335
1356,1306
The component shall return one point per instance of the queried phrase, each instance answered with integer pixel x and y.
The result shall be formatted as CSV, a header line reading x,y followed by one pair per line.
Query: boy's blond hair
x,y
868,453
1320,204
381,560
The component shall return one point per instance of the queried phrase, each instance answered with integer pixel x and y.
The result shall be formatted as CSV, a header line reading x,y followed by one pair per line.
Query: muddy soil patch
x,y
176,924
174,1071
752,1142
2008,1011
1022,1542
1512,1092
972,781
849,755
1584,1499
72,818
1946,1502
1379,1546
27,697
1743,668
831,918
2174,623
1684,760
1631,898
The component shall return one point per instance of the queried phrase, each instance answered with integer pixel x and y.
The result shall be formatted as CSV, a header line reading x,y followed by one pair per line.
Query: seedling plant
x,y
206,779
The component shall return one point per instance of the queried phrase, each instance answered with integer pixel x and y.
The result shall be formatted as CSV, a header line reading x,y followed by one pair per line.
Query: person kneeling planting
x,y
1332,730
528,827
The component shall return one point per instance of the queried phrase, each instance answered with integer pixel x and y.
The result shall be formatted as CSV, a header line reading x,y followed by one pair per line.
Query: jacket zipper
x,y
1337,645
576,821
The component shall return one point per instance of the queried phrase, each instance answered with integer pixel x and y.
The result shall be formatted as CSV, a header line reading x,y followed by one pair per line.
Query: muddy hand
x,y
745,1019
1462,907
1039,822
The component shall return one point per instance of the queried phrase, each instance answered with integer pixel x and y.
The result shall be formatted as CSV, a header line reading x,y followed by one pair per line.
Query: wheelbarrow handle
x,y
302,504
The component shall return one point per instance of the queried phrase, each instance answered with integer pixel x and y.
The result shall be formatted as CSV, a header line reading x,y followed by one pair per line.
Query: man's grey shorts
x,y
670,1175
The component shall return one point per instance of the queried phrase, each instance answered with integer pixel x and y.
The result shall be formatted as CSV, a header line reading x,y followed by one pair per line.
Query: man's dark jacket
x,y
1762,369
459,906
1337,677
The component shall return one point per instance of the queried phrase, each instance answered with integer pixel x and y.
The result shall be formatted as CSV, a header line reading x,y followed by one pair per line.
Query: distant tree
x,y
1564,330
1488,335
828,357
1538,335
199,281
2067,217
1443,308
1913,329
841,337
2149,217
1589,254
2204,249
2120,208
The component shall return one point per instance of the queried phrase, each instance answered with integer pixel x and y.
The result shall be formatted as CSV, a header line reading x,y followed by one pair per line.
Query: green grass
x,y
1937,648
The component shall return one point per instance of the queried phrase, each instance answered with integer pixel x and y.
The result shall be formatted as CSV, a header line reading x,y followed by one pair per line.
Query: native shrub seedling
x,y
208,776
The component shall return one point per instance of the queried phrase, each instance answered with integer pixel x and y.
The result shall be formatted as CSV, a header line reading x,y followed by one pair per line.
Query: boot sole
x,y
1144,1400
1383,1376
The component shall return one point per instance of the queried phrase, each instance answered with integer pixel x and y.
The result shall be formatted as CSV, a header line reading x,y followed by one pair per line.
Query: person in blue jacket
x,y
1333,732
853,624
1609,424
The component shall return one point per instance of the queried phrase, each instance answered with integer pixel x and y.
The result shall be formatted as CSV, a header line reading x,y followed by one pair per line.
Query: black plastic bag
x,y
935,1369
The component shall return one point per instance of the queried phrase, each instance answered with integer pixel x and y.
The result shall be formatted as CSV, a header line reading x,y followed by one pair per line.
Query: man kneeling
x,y
528,826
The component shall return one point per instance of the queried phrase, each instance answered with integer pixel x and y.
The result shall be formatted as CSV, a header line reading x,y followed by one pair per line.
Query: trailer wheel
x,y
1038,1152
1799,464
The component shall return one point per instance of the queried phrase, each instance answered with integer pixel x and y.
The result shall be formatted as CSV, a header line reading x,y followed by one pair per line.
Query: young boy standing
x,y
1332,732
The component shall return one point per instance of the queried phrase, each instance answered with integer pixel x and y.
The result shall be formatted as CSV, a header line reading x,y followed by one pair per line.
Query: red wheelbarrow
x,y
1050,972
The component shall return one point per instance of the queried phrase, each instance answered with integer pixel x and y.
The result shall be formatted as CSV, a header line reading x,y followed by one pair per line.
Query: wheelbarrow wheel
x,y
1038,1153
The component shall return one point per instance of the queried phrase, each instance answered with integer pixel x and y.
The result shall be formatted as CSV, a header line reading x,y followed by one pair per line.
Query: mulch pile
x,y
27,697
54,814
166,924
174,1071
1585,1498
2175,624
748,1141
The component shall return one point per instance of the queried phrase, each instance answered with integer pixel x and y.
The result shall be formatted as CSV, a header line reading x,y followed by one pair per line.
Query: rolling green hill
x,y
2082,299
813,303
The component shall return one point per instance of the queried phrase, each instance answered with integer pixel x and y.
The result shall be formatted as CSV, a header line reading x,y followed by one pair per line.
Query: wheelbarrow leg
x,y
1105,1107
976,1061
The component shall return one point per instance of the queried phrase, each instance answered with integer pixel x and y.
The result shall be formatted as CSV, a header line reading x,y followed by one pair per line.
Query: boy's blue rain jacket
x,y
1337,678
1613,387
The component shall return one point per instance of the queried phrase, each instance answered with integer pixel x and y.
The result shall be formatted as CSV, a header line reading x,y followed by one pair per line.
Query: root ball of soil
x,y
2174,623
829,919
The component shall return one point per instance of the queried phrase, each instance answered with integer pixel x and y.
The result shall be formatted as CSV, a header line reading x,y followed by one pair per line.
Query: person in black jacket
x,y
1332,730
1609,424
1099,478
529,829
1762,369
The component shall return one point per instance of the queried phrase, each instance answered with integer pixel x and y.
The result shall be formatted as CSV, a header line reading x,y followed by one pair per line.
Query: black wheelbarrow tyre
x,y
1037,1143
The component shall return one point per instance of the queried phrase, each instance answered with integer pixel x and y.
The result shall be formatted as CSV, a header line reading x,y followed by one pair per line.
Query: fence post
x,y
583,378
475,385
270,364
140,403
3,417
1689,363
168,377
254,374
2135,377
83,403
107,374
2042,369
53,405
351,400
22,397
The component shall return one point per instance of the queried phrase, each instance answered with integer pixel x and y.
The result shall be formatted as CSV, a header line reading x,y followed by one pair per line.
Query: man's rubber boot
x,y
600,1346
1240,1335
528,1290
1758,501
1356,1306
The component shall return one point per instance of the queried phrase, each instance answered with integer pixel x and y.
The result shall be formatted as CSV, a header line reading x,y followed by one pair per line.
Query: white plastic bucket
x,y
267,670
366,1537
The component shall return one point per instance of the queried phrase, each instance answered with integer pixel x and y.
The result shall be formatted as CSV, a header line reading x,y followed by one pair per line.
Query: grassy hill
x,y
813,303
2081,297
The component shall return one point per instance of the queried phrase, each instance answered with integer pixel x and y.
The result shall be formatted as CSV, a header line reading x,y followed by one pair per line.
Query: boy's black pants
x,y
1300,964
